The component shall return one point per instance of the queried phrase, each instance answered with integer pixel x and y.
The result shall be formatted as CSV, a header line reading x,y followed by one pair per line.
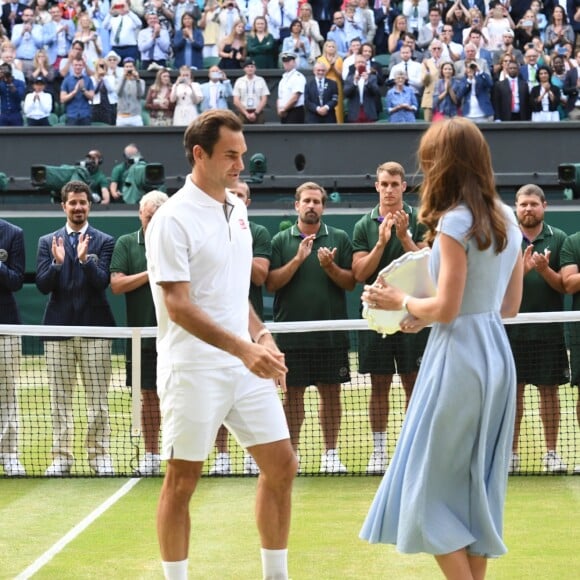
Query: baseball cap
x,y
508,32
248,62
39,79
128,59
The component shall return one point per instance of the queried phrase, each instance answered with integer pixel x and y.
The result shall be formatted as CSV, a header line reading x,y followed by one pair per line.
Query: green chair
x,y
209,61
382,59
53,119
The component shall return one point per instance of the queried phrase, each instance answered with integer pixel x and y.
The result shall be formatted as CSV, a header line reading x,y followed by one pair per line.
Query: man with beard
x,y
72,266
539,349
310,270
386,233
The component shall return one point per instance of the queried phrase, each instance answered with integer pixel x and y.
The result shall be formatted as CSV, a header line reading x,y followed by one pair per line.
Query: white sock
x,y
379,441
175,570
274,564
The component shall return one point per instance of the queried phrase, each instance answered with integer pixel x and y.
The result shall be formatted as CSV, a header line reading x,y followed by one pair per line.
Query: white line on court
x,y
77,530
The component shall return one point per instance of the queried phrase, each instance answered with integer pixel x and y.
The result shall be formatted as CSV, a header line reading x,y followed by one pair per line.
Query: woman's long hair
x,y
456,164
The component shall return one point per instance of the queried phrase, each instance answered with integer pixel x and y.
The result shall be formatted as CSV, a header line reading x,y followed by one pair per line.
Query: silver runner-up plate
x,y
409,273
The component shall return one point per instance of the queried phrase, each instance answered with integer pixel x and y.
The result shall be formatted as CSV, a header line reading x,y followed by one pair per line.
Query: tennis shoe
x,y
150,464
514,464
12,466
60,467
104,466
250,465
377,463
222,465
553,463
330,462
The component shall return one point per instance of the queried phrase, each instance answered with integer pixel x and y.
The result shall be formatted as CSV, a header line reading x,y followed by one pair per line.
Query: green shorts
x,y
320,366
540,363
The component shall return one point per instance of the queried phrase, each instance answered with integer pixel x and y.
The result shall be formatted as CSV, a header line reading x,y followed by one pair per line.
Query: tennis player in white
x,y
216,361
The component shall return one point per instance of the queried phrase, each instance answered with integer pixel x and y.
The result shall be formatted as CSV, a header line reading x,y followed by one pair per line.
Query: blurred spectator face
x,y
470,52
27,16
434,18
355,46
513,69
531,56
78,66
319,70
446,34
530,210
338,19
55,13
406,53
367,52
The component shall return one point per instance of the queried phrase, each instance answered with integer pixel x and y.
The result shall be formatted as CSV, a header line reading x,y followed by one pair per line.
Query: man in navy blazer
x,y
320,97
72,266
506,106
12,264
361,89
11,15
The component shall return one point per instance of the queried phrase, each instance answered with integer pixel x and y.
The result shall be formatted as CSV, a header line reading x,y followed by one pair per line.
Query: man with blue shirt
x,y
76,93
27,38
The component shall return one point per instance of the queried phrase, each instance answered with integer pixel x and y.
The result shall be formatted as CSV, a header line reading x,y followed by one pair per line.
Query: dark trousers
x,y
294,116
125,51
77,121
38,122
11,120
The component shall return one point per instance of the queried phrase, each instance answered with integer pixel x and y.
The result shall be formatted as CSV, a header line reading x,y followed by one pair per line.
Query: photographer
x,y
11,94
130,91
97,182
131,155
76,94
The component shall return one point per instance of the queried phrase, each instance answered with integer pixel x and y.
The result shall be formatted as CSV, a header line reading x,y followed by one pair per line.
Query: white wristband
x,y
260,334
405,302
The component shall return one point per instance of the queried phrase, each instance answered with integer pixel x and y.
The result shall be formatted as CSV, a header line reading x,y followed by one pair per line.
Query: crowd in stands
x,y
81,62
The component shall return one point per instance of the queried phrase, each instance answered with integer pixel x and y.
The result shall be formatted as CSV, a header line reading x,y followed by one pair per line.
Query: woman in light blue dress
x,y
444,491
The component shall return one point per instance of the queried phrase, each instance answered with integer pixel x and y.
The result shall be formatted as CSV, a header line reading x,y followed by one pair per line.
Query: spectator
x,y
507,50
570,268
541,20
334,66
104,104
416,12
210,28
525,30
97,13
123,26
559,30
58,35
476,23
182,7
131,156
114,71
311,30
558,79
431,30
337,34
8,56
368,51
250,95
412,70
129,277
401,102
410,42
475,37
299,44
366,17
529,70
41,14
348,62
186,94
162,9
12,15
459,18
572,92
216,91
41,68
188,44
130,92
545,98
384,19
87,34
280,14
429,77
320,97
497,22
77,51
503,72
261,47
38,104
511,97
154,43
232,48
12,267
353,24
290,102
447,93
397,34
381,236
76,94
323,12
310,270
158,101
362,91
470,58
543,292
27,38
227,17
72,266
476,95
261,254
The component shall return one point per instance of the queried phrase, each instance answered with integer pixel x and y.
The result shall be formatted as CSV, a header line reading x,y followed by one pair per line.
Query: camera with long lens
x,y
52,178
142,177
569,179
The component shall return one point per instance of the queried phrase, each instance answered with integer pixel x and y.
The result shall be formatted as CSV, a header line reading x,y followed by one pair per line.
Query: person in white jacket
x,y
38,104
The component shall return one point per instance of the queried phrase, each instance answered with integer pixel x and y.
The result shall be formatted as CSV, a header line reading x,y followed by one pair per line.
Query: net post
x,y
136,427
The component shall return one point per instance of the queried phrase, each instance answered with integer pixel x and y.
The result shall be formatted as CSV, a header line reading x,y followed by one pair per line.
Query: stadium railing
x,y
355,437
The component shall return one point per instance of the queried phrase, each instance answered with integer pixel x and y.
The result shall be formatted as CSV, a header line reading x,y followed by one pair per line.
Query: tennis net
x,y
100,411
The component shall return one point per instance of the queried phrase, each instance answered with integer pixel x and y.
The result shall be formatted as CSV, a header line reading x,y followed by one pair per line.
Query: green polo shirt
x,y
570,256
119,174
311,294
98,180
261,248
366,235
129,258
538,295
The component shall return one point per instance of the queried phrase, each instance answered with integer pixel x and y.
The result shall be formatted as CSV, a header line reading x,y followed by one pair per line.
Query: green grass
x,y
541,531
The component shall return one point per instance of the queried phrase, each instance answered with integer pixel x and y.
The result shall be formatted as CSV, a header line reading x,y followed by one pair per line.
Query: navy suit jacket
x,y
6,22
370,100
570,87
502,100
77,291
311,101
12,265
483,86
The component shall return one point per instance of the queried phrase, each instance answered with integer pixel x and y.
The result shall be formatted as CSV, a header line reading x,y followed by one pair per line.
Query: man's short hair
x,y
75,186
155,198
392,168
311,185
205,130
531,189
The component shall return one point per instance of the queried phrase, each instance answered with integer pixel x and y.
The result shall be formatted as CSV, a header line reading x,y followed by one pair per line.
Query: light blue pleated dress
x,y
445,487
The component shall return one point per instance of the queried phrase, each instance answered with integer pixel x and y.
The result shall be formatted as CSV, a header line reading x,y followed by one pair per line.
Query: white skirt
x,y
545,116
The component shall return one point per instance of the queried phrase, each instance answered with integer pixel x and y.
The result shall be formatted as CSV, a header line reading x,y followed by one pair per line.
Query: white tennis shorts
x,y
195,402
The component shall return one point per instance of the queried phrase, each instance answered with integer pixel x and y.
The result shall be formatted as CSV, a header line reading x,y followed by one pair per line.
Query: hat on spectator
x,y
113,54
128,59
248,62
40,80
508,32
288,55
